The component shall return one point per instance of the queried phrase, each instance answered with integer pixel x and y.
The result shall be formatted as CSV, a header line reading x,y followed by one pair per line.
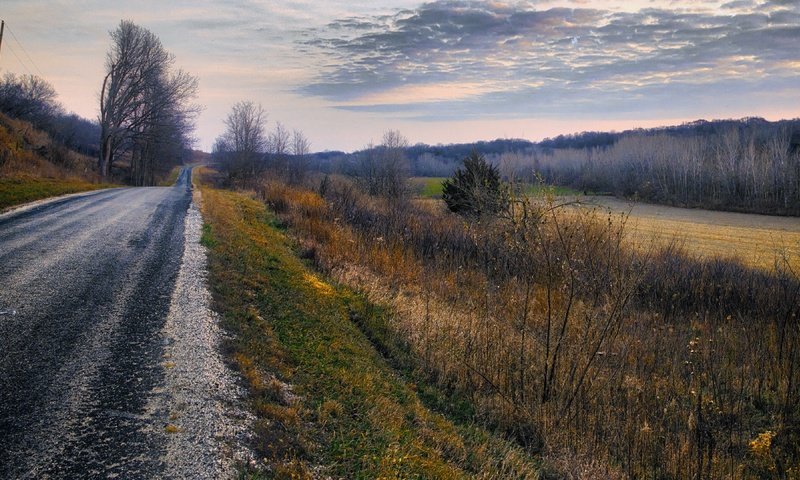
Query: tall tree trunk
x,y
104,163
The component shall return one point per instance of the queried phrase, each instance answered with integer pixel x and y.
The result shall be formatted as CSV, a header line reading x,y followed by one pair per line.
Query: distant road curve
x,y
85,289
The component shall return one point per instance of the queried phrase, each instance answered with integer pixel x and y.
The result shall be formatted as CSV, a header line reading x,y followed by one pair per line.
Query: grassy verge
x,y
172,177
327,400
23,189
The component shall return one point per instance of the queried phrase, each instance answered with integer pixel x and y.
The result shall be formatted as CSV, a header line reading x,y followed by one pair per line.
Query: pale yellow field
x,y
756,240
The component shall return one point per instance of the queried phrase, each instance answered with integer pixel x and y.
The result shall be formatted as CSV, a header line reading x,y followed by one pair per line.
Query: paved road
x,y
85,286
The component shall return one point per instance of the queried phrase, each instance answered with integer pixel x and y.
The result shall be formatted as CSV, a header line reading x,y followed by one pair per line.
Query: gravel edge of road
x,y
206,423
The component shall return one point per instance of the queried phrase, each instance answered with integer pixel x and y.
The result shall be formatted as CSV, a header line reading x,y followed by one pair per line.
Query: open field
x,y
427,187
431,187
755,240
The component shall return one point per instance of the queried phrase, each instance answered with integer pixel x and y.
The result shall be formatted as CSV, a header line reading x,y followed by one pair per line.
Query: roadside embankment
x,y
327,401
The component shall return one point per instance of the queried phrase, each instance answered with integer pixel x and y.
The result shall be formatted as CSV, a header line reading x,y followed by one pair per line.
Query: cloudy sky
x,y
442,71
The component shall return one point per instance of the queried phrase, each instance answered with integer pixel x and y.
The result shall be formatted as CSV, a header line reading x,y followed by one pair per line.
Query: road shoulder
x,y
204,422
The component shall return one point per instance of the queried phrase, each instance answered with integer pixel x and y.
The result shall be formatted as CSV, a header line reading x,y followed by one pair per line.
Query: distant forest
x,y
749,165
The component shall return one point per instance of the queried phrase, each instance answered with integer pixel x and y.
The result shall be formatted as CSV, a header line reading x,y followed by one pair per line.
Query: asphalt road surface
x,y
85,287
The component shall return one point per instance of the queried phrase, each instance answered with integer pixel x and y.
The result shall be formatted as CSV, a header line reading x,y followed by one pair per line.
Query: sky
x,y
444,71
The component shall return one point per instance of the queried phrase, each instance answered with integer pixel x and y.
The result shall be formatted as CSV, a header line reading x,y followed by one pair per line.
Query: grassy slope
x,y
27,172
353,413
17,190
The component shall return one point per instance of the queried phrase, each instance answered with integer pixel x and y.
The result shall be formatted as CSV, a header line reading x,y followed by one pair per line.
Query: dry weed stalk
x,y
564,336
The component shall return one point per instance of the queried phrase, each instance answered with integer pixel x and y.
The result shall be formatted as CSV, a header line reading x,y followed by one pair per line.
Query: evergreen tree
x,y
475,189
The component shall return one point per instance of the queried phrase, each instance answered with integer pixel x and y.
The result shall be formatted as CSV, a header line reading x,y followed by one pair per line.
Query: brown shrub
x,y
564,336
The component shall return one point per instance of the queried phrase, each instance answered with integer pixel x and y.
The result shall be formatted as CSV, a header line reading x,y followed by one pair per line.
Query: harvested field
x,y
755,240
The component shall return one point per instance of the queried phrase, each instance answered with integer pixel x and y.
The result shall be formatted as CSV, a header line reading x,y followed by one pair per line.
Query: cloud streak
x,y
346,70
523,60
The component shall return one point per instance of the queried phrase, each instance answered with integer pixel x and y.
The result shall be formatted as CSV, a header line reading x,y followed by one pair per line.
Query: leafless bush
x,y
545,320
384,169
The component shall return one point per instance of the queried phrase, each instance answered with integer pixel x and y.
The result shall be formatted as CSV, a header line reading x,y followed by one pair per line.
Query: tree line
x,y
749,165
246,149
752,167
146,109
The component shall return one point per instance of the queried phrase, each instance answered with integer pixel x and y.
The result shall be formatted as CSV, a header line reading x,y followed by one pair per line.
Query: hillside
x,y
34,166
334,391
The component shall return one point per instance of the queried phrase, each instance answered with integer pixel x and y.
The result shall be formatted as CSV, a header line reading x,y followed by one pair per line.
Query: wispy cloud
x,y
485,68
558,60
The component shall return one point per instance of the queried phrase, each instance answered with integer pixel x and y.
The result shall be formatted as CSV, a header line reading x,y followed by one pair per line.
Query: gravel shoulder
x,y
206,424
109,355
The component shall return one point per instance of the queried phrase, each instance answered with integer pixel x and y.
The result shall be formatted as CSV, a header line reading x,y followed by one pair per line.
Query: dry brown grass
x,y
755,240
348,414
531,323
33,167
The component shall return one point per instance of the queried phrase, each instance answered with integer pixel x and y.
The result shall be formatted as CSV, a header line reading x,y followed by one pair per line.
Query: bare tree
x,y
385,169
300,147
160,142
278,143
278,140
140,95
28,97
241,148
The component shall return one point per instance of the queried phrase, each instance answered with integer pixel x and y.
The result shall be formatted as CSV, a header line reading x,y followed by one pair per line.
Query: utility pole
x,y
2,27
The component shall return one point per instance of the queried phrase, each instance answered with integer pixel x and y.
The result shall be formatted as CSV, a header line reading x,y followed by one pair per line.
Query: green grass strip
x,y
20,190
353,415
